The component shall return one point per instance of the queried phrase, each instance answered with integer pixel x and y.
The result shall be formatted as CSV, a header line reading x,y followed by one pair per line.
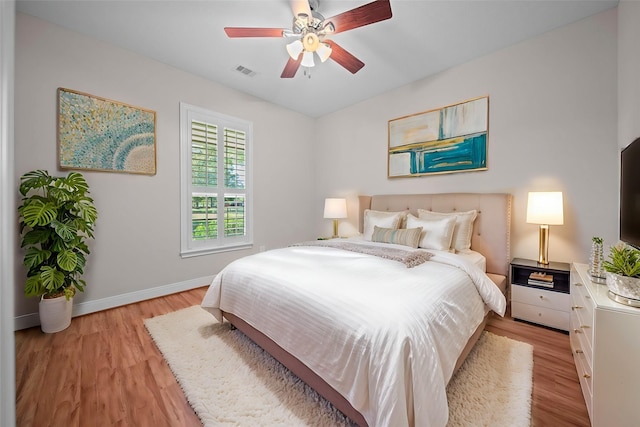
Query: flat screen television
x,y
630,194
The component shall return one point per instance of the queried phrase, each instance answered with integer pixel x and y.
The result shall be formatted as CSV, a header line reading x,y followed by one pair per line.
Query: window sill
x,y
190,253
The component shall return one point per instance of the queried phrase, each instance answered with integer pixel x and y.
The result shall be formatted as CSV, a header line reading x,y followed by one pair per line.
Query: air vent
x,y
246,71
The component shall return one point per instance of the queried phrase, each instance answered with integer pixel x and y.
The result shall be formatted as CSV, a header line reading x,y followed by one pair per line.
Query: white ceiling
x,y
421,39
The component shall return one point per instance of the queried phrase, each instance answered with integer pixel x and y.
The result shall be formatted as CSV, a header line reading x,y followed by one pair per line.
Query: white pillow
x,y
436,233
382,220
463,229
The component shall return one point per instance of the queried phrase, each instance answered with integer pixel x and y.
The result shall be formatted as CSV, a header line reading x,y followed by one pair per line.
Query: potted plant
x,y
623,274
56,218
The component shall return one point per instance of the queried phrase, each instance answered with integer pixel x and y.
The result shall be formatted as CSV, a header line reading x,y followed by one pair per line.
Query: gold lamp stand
x,y
543,250
335,229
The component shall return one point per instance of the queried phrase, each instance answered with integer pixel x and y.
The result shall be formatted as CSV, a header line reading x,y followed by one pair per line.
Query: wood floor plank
x,y
105,370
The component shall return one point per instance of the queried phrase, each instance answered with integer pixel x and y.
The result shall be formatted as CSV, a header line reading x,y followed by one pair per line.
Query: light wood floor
x,y
104,370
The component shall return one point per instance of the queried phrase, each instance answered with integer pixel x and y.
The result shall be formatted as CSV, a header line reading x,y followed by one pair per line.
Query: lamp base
x,y
543,250
335,229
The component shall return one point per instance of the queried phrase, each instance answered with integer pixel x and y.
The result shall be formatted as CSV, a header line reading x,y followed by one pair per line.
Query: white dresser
x,y
605,340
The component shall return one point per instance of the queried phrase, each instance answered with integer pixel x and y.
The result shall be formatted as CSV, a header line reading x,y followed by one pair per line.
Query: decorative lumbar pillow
x,y
381,219
463,229
436,233
399,236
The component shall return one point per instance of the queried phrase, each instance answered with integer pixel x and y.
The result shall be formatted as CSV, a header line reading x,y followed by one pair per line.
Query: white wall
x,y
552,126
628,72
137,244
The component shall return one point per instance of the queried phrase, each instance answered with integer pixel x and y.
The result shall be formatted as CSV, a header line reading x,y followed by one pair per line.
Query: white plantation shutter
x,y
215,194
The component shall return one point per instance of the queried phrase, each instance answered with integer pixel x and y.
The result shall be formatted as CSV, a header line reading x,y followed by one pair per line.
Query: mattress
x,y
385,336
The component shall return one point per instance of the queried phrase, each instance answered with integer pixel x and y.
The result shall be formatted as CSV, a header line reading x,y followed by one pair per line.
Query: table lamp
x,y
545,208
335,209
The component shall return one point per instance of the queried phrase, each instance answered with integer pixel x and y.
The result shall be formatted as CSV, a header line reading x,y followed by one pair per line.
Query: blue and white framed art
x,y
444,140
100,134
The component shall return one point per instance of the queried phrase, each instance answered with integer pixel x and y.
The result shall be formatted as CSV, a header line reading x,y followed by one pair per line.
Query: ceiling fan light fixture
x,y
310,42
294,49
307,59
328,28
323,51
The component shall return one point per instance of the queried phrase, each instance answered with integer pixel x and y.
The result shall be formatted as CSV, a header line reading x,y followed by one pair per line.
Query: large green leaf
x,y
52,278
67,260
61,195
86,210
34,179
80,284
74,182
35,257
66,230
33,286
36,212
37,236
82,247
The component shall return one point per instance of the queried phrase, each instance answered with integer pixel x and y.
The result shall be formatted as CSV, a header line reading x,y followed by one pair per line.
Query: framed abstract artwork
x,y
100,134
444,140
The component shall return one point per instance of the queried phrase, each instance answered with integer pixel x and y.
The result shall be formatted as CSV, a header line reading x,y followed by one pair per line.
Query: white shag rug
x,y
230,381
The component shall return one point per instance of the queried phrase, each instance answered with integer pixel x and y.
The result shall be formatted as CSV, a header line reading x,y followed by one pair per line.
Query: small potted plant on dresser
x,y
623,274
56,218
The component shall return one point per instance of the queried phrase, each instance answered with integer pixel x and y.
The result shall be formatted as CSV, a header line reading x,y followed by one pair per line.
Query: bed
x,y
378,339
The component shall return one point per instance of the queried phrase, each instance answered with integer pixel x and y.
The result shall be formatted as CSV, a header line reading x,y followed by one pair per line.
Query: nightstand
x,y
540,293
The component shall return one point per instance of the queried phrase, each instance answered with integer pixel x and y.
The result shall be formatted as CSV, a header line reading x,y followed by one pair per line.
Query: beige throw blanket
x,y
408,258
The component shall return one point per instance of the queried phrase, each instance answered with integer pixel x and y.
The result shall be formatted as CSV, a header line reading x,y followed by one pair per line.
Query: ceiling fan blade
x,y
300,6
291,68
344,58
253,32
370,13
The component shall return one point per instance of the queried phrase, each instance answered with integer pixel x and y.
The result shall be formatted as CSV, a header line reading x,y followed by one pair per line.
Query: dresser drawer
x,y
541,298
584,370
581,338
582,305
541,315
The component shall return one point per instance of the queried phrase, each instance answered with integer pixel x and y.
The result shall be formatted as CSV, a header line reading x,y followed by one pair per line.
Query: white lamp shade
x,y
294,49
307,59
335,208
545,208
323,51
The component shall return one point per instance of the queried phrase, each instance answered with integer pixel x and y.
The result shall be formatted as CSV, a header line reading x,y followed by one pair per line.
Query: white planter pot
x,y
624,289
55,314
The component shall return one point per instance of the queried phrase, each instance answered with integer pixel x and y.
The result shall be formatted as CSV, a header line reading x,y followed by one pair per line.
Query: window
x,y
215,156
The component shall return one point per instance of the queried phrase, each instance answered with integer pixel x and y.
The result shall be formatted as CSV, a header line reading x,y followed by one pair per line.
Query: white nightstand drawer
x,y
541,298
541,315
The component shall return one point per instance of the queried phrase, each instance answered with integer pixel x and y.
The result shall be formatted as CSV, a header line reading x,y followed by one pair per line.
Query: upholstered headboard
x,y
491,229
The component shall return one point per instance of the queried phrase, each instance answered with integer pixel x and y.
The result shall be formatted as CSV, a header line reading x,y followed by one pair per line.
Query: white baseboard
x,y
33,319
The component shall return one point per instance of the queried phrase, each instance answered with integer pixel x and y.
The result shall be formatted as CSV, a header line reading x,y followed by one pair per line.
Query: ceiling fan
x,y
311,30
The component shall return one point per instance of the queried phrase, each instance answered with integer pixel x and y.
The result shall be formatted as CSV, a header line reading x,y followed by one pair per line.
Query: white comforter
x,y
383,335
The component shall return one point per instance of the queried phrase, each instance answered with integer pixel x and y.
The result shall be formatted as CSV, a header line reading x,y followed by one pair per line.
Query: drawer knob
x,y
541,297
586,376
578,351
577,284
584,326
577,331
576,307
